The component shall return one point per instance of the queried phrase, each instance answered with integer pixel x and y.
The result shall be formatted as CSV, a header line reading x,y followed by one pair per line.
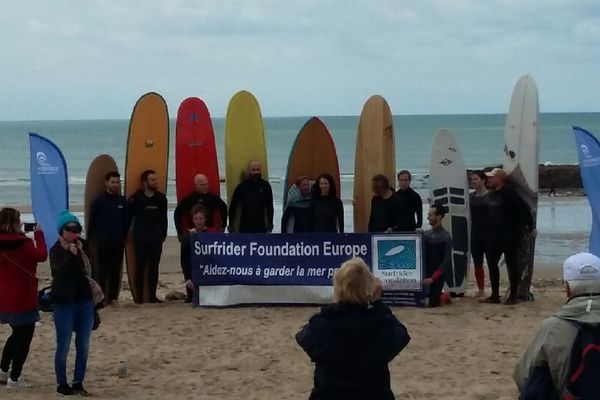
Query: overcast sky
x,y
93,59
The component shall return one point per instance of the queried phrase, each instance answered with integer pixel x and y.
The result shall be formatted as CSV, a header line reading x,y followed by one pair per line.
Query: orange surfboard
x,y
147,148
313,153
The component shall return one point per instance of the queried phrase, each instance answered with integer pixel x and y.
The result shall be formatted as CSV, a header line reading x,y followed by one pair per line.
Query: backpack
x,y
583,382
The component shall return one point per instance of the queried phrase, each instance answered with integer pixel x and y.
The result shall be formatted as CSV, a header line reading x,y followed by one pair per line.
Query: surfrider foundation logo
x,y
44,166
396,254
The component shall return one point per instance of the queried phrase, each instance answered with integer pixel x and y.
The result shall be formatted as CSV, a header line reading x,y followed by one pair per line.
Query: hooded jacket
x,y
19,289
351,346
551,345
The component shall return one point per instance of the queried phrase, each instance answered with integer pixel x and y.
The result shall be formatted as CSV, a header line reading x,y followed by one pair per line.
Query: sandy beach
x,y
461,351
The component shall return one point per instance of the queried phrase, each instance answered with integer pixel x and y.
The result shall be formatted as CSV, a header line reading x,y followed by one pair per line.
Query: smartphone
x,y
29,226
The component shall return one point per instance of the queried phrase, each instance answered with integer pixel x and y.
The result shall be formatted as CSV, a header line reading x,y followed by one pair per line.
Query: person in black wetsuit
x,y
386,208
148,209
509,218
199,217
108,226
253,200
211,202
297,208
437,248
480,229
413,210
326,211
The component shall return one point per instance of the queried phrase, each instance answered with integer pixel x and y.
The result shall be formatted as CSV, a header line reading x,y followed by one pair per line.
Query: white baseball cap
x,y
582,266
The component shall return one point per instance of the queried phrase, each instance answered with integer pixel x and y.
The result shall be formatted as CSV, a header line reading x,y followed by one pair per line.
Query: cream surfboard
x,y
521,161
375,154
448,185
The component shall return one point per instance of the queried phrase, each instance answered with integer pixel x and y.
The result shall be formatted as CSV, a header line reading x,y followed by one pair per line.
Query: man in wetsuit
x,y
148,209
108,226
437,248
210,201
509,219
252,202
413,209
386,208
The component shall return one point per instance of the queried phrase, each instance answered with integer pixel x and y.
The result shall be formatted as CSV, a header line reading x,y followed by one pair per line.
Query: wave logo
x,y
585,151
588,159
42,159
396,254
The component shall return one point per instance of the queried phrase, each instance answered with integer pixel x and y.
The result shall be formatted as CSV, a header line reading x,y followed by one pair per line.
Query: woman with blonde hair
x,y
19,256
353,340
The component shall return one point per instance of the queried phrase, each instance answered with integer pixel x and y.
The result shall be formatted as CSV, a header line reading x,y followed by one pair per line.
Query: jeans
x,y
16,349
69,318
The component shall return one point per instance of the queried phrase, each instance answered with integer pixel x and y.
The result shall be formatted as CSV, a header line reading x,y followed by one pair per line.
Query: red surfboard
x,y
195,151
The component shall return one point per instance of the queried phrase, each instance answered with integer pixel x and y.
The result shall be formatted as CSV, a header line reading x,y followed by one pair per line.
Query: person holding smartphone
x,y
73,303
19,256
353,340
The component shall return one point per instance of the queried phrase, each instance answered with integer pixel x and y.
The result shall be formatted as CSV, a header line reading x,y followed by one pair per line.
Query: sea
x,y
564,223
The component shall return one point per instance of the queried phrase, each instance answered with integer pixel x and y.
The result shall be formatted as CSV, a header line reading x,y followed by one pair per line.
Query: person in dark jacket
x,y
19,256
73,303
509,220
148,208
413,204
296,218
326,211
216,209
437,249
252,203
108,226
199,218
353,340
386,208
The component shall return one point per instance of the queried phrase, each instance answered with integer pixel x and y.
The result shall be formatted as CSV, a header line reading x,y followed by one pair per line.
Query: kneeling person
x,y
199,219
437,246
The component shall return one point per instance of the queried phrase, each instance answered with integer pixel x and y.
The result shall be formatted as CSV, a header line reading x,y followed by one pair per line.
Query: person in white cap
x,y
509,218
550,348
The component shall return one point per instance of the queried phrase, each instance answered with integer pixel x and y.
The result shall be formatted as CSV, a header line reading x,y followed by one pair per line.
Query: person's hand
x,y
354,201
419,231
428,281
534,233
377,291
73,248
189,284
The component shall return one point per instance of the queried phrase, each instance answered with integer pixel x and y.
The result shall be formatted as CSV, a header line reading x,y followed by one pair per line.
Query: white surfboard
x,y
521,161
448,185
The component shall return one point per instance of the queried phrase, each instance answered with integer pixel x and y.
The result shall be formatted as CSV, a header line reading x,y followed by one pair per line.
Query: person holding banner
x,y
19,257
148,208
386,208
199,217
296,218
353,340
211,202
326,211
437,249
252,202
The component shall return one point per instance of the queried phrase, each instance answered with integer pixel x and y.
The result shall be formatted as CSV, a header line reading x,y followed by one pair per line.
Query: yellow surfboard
x,y
147,148
375,154
244,141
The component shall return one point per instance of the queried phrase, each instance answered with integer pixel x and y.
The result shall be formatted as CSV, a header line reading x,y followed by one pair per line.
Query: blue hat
x,y
65,218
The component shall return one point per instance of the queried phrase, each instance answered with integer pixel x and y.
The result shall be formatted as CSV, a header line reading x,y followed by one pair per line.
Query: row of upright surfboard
x,y
313,153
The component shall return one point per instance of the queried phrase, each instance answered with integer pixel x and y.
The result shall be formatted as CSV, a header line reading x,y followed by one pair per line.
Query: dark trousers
x,y
109,261
435,290
147,258
506,245
16,349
